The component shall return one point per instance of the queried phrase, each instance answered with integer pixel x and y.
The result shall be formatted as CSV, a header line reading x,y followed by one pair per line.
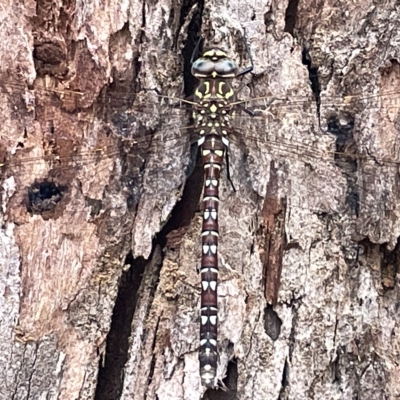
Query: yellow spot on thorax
x,y
213,108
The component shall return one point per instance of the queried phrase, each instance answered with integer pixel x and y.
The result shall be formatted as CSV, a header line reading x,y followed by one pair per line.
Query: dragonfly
x,y
138,130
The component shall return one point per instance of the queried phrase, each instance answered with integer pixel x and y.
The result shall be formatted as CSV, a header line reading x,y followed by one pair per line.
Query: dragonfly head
x,y
214,63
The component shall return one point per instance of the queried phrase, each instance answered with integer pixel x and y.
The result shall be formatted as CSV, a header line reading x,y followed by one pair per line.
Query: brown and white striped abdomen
x,y
212,152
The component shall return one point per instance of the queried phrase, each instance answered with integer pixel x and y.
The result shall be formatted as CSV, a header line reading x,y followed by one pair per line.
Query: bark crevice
x,y
111,368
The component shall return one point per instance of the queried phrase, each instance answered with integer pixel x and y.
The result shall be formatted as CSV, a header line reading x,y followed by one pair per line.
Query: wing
x,y
138,127
142,117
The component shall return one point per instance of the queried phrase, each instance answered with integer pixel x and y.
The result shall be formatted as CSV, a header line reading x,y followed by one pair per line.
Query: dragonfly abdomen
x,y
212,152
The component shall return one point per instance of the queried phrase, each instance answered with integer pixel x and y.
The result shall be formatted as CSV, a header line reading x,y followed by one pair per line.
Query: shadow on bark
x,y
110,378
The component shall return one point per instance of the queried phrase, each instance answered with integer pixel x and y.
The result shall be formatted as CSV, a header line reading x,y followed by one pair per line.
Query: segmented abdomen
x,y
212,152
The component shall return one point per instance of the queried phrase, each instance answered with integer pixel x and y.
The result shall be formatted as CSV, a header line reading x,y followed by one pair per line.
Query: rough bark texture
x,y
99,292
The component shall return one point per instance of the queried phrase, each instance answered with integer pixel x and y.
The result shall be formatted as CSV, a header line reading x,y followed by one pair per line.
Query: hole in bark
x,y
110,378
43,197
291,16
272,323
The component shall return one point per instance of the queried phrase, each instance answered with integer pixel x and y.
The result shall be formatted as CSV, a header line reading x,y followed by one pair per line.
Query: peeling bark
x,y
100,226
272,237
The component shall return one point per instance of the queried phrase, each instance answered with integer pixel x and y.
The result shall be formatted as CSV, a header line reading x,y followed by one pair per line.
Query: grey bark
x,y
316,207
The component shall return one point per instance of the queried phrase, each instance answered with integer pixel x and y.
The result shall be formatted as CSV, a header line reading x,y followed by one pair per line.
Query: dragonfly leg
x,y
255,112
166,98
228,174
251,66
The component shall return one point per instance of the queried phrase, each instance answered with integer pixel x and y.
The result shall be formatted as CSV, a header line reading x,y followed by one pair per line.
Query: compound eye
x,y
203,66
225,66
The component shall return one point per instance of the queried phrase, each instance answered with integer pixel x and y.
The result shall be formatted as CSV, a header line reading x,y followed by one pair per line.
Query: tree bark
x,y
100,225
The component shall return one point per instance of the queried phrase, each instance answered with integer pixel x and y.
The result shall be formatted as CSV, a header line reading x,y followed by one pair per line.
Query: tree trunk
x,y
101,226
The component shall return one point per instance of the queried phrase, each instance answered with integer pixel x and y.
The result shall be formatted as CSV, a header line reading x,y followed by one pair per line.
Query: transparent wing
x,y
154,124
138,122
